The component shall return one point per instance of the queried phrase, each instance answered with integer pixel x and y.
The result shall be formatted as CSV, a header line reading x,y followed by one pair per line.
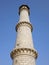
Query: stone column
x,y
24,52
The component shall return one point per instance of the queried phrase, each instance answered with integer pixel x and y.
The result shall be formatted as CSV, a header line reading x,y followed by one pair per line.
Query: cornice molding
x,y
24,24
24,51
24,7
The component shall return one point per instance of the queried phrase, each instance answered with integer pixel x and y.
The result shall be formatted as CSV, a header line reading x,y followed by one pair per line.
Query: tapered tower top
x,y
24,12
24,7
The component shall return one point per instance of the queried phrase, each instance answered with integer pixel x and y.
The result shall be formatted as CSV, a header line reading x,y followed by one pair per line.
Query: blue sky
x,y
39,17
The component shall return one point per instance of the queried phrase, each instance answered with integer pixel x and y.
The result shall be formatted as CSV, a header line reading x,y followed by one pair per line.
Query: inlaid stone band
x,y
24,51
24,24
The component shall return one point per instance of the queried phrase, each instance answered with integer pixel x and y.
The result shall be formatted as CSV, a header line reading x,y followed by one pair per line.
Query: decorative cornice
x,y
23,51
24,24
24,7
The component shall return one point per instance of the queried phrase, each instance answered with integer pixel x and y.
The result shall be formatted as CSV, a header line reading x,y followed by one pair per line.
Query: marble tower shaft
x,y
24,52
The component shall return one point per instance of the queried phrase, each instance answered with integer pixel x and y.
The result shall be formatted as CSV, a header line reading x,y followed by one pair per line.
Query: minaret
x,y
24,52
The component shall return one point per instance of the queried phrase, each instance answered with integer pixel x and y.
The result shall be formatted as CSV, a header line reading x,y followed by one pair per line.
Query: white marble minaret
x,y
24,52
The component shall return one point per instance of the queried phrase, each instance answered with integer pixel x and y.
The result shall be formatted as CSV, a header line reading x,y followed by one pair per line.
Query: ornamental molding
x,y
24,23
24,51
22,8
